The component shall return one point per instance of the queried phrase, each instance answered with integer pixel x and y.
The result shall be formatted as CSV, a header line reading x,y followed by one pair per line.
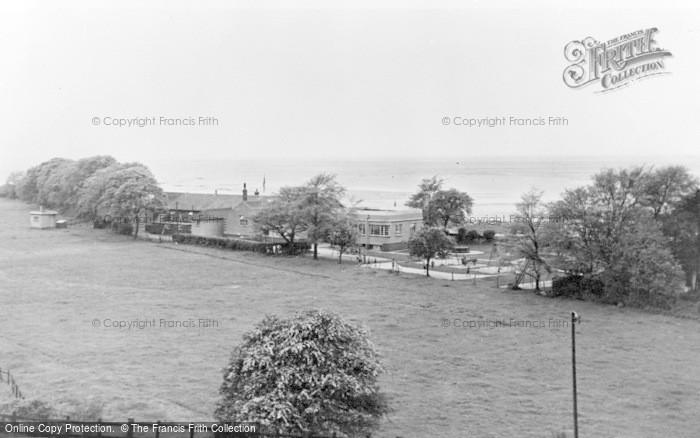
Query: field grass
x,y
639,374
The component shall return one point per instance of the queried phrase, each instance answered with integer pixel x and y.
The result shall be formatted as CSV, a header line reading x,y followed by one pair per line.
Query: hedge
x,y
241,245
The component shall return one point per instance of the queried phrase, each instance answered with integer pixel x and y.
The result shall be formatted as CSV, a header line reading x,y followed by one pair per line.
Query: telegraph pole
x,y
574,319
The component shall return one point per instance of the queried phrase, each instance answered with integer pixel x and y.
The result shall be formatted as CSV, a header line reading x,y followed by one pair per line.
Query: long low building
x,y
387,230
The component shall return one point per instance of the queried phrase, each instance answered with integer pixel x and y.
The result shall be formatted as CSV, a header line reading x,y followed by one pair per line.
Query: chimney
x,y
257,193
245,193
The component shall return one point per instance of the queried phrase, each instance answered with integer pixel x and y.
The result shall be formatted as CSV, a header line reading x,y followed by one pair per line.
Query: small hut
x,y
43,218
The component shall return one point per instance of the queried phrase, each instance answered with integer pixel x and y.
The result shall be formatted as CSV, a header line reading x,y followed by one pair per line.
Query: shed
x,y
43,218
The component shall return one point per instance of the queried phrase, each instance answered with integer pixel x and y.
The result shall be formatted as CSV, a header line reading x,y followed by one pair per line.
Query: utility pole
x,y
574,319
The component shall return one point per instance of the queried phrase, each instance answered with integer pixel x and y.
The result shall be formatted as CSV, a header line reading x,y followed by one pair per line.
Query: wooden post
x,y
130,431
192,433
158,429
99,432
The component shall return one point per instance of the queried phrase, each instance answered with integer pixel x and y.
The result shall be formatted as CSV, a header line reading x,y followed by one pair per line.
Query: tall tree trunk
x,y
136,231
427,267
315,250
340,256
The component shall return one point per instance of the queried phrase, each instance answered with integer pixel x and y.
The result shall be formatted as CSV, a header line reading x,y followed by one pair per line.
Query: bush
x,y
577,286
311,372
30,408
472,235
462,235
242,245
125,229
157,229
489,234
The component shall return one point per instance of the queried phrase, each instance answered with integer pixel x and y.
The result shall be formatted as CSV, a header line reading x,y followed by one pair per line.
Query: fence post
x,y
129,431
158,429
191,433
99,432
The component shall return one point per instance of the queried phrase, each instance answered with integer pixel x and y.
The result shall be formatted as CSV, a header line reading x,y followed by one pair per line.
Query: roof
x,y
48,212
389,215
201,201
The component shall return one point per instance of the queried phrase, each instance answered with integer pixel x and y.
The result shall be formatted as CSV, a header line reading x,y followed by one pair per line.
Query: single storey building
x,y
43,218
387,230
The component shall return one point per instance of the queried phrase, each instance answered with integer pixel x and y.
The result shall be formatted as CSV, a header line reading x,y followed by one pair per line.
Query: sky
x,y
332,80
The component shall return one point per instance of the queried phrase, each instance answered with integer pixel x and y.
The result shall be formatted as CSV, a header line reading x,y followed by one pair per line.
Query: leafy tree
x,y
286,215
440,207
452,207
423,199
137,195
12,182
309,373
49,180
95,197
600,230
321,204
682,227
528,233
71,181
666,187
427,243
343,234
37,184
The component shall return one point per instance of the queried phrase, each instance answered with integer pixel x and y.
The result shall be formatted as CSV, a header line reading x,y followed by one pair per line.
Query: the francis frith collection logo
x,y
614,63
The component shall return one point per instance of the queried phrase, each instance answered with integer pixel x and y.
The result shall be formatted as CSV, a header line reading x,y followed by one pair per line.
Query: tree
x,y
601,230
682,227
12,182
49,180
666,187
309,373
452,207
285,215
72,180
441,207
423,199
529,232
136,196
343,234
427,243
96,195
320,204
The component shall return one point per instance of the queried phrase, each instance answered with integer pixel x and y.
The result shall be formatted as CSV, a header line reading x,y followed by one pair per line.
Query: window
x,y
243,221
398,229
379,230
35,218
361,229
412,229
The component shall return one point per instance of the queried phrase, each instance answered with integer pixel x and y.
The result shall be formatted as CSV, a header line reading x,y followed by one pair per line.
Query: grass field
x,y
639,374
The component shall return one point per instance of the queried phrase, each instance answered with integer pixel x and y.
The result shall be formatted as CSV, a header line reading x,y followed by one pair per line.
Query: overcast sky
x,y
320,82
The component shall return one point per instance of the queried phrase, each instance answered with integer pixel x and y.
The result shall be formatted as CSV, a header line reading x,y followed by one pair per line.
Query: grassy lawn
x,y
639,374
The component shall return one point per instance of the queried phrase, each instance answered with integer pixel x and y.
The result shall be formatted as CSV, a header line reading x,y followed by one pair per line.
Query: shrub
x,y
462,234
157,229
311,372
489,234
125,229
577,286
472,235
29,408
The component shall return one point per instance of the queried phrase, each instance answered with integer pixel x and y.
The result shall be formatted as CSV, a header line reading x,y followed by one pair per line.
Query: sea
x,y
494,183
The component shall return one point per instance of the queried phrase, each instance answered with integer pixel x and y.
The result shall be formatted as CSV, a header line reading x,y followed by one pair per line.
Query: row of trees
x,y
315,208
635,230
90,187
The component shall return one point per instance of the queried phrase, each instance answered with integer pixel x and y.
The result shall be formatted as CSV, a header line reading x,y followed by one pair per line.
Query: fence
x,y
14,389
20,425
